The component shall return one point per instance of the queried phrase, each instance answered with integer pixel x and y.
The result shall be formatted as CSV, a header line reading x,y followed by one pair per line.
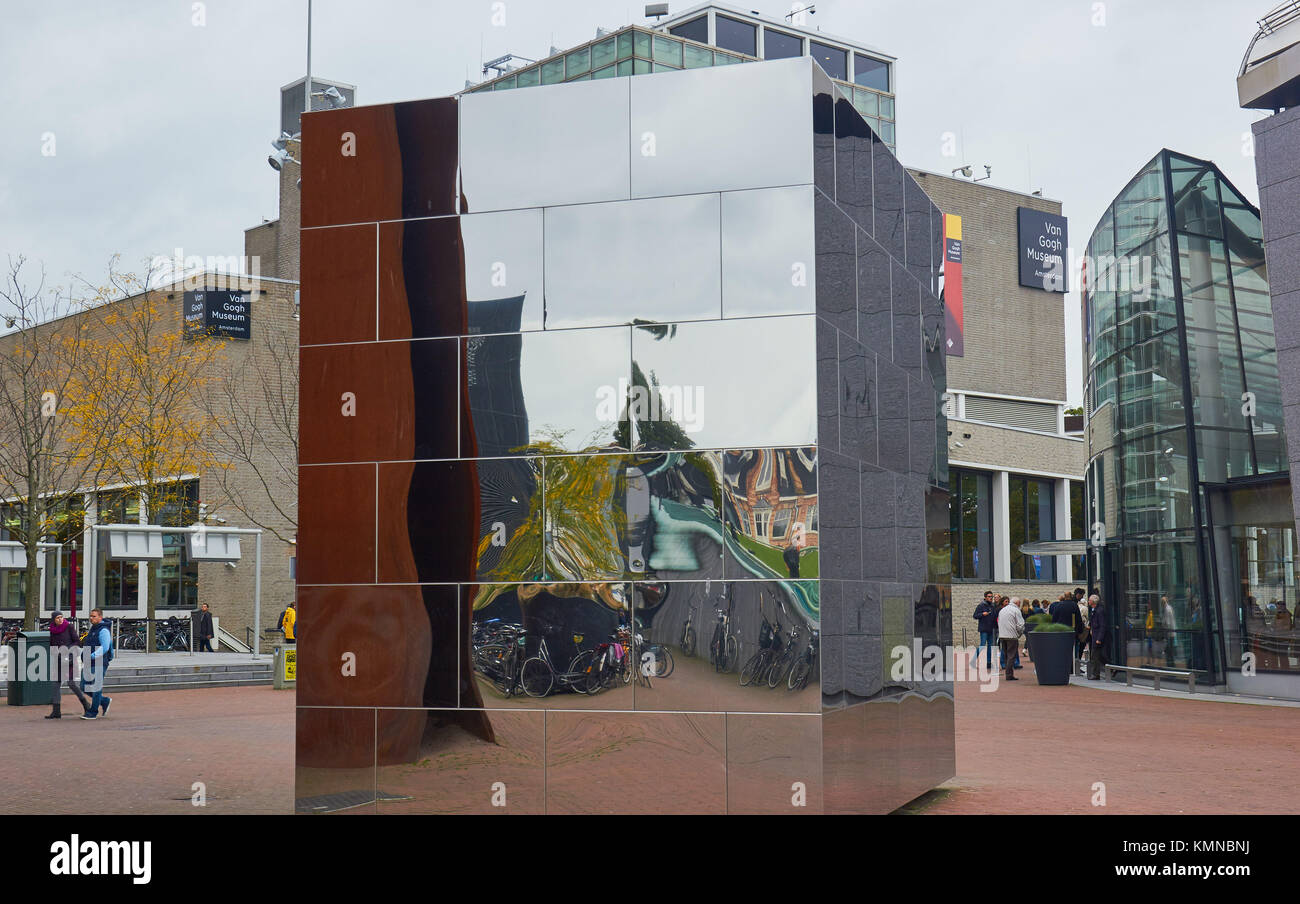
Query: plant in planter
x,y
1052,646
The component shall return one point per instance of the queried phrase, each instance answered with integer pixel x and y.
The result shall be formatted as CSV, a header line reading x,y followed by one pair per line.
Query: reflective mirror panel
x,y
610,516
616,762
460,758
556,391
725,384
650,260
823,101
836,276
768,252
503,270
853,169
875,296
421,279
906,320
338,275
768,755
404,164
728,646
887,180
551,646
404,640
919,235
561,144
746,126
488,526
770,501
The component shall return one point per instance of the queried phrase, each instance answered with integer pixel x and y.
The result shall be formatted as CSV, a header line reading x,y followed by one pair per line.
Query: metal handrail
x,y
1283,14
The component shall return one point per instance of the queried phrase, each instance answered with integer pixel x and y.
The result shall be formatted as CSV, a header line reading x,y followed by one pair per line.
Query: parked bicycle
x,y
687,643
499,656
769,648
724,647
781,663
539,676
639,664
803,668
171,635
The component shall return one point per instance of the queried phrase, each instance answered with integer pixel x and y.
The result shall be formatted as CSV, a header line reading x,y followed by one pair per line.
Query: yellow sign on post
x,y
290,665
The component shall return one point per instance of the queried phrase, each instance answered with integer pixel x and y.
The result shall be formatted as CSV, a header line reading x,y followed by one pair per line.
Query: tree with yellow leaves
x,y
160,431
44,456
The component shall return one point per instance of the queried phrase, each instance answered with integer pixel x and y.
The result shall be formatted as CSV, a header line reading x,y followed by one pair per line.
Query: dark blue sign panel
x,y
1044,240
217,312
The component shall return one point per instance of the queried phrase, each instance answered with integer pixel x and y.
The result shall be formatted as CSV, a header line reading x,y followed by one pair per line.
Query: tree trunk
x,y
32,580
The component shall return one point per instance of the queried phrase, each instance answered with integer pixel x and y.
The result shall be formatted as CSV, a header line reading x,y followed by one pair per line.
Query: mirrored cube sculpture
x,y
623,477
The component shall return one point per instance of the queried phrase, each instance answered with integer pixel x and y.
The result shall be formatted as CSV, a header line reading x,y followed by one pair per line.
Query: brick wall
x,y
1016,450
1031,360
229,592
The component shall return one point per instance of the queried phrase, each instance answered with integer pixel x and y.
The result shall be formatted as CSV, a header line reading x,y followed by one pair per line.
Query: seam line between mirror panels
x,y
559,329
376,282
374,577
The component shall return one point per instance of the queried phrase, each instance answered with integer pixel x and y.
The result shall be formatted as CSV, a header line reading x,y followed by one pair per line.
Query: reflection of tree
x,y
645,399
521,556
610,595
585,515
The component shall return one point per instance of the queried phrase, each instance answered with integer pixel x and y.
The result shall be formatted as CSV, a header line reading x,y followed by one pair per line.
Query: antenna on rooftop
x,y
656,11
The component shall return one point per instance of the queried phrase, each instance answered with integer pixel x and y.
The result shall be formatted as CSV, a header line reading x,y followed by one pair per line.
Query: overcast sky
x,y
161,127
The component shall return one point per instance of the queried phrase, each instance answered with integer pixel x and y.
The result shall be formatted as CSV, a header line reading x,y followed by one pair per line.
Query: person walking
x,y
203,628
290,624
986,615
1169,621
99,640
1025,612
63,637
1081,639
1099,633
1011,624
791,559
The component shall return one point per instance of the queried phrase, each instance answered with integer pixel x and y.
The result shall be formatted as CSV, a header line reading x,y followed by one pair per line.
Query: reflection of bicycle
x,y
539,677
803,668
640,663
498,653
724,648
687,642
781,663
769,648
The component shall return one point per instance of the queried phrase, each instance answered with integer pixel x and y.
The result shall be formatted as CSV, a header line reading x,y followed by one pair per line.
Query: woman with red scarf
x,y
63,634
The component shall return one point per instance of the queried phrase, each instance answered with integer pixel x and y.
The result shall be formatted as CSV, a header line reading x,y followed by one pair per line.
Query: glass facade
x,y
637,51
1030,518
678,508
1184,410
971,514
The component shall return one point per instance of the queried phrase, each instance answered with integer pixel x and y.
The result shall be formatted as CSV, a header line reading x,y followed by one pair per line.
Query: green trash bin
x,y
22,690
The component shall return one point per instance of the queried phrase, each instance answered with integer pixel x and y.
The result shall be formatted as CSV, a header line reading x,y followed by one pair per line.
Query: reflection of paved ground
x,y
146,756
1032,749
693,686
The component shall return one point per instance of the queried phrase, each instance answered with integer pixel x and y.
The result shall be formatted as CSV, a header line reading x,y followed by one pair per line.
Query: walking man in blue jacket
x,y
986,613
100,643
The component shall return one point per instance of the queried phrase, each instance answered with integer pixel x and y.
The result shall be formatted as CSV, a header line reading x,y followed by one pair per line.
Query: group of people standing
x,y
1002,620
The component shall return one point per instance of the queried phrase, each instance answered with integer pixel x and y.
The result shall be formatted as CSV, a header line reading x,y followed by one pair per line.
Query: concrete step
x,y
170,686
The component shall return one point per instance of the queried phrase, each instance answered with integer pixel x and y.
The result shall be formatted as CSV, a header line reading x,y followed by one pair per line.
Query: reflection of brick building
x,y
770,491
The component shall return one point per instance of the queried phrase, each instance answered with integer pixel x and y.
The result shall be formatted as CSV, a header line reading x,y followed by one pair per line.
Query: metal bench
x,y
1188,675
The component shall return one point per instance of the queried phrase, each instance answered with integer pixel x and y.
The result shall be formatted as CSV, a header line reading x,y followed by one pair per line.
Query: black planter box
x,y
1053,653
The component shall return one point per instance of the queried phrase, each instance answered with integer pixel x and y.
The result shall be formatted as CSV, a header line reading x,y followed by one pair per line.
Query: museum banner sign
x,y
1044,244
